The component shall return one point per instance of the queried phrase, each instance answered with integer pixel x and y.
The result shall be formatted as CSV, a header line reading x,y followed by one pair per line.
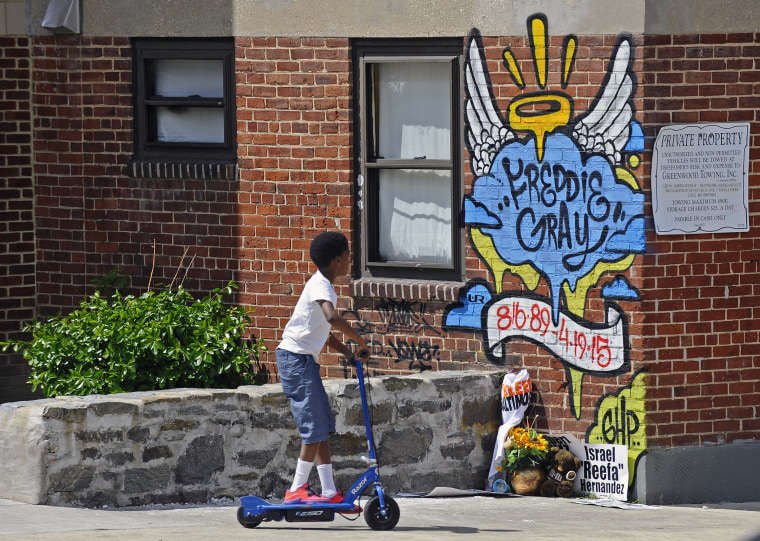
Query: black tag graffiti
x,y
399,317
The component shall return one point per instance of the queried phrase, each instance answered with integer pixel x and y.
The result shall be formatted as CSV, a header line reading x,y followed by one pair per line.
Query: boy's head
x,y
326,247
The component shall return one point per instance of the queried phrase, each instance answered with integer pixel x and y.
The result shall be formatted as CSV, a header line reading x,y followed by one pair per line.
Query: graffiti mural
x,y
620,420
554,198
399,317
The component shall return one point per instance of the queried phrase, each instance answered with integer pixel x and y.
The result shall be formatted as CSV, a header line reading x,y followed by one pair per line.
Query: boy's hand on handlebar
x,y
362,354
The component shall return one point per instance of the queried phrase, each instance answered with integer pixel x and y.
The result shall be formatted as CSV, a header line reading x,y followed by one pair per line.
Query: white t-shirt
x,y
308,329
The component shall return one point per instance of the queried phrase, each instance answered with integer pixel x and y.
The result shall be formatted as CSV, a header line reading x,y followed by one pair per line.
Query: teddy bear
x,y
561,466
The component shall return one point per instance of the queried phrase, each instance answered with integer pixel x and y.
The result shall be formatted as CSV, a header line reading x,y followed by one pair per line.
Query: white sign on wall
x,y
700,178
604,469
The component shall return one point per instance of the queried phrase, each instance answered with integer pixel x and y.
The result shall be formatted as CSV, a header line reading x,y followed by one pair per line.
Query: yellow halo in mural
x,y
540,114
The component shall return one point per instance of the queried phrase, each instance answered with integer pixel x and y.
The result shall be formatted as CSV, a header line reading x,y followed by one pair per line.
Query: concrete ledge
x,y
708,474
190,445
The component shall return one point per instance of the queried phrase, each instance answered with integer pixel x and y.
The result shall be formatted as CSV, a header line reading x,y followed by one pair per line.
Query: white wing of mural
x,y
606,127
487,131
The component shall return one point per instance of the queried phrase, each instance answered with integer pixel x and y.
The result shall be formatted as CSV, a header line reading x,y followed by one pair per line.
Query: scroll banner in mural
x,y
583,344
604,472
700,174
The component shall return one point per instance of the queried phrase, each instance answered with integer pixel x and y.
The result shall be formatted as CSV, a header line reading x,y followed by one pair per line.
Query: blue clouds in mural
x,y
631,240
620,289
476,215
472,299
563,214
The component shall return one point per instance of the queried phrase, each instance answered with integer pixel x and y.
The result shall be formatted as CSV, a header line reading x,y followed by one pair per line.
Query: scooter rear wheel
x,y
248,521
376,520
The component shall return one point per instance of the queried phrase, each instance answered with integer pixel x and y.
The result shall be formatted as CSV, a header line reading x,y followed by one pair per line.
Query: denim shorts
x,y
303,386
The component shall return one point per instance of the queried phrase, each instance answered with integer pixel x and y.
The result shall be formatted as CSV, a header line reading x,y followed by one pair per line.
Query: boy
x,y
303,338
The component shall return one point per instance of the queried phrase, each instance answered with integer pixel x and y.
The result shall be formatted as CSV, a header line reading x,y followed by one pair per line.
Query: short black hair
x,y
326,247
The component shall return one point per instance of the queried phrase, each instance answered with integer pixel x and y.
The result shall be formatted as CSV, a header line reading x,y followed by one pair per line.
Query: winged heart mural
x,y
554,198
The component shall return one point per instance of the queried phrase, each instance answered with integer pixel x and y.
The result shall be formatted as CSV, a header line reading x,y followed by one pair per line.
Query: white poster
x,y
604,469
700,178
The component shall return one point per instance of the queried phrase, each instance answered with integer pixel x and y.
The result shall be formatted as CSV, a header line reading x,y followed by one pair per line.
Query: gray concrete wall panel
x,y
701,16
401,18
688,475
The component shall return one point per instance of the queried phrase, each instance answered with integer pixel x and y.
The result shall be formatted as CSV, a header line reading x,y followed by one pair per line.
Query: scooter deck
x,y
254,505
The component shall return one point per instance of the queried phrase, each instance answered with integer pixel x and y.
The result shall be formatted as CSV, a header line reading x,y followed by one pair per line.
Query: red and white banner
x,y
586,345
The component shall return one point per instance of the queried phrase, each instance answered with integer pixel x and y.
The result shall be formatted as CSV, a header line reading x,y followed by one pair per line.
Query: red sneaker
x,y
337,498
301,493
315,498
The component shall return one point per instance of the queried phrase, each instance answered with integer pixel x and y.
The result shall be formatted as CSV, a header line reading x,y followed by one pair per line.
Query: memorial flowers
x,y
524,448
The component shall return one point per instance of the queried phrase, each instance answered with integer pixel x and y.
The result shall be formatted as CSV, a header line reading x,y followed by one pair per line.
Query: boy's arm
x,y
337,322
339,346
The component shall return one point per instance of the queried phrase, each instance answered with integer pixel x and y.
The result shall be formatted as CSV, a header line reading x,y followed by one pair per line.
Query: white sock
x,y
303,469
325,472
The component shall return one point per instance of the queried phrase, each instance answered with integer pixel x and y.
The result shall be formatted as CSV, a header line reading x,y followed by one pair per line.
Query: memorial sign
x,y
604,470
700,178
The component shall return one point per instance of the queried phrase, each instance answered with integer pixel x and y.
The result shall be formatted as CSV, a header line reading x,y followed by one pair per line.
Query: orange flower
x,y
524,446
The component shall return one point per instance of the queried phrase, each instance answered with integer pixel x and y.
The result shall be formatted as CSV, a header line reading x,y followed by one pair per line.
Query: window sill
x,y
182,170
411,290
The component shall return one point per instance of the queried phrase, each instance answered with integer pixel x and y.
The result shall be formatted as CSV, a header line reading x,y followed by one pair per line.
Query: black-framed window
x,y
409,160
184,97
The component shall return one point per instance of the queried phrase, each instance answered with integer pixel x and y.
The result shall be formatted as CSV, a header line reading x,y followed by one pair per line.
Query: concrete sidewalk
x,y
515,517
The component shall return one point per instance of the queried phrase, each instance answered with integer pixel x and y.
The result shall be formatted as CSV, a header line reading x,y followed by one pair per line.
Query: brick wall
x,y
17,263
701,305
294,154
82,130
295,180
693,330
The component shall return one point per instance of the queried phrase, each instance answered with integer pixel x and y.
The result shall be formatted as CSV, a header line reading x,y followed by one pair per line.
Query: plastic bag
x,y
516,391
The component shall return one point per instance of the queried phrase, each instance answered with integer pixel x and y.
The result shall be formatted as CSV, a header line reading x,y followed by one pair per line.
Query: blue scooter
x,y
381,511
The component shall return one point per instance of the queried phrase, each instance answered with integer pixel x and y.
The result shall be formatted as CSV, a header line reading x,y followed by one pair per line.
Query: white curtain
x,y
414,110
190,124
415,215
414,121
185,78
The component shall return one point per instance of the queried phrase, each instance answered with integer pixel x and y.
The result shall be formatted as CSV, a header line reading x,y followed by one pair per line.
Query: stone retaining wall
x,y
191,445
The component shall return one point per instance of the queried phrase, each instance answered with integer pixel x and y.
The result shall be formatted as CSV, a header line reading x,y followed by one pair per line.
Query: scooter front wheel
x,y
248,521
376,520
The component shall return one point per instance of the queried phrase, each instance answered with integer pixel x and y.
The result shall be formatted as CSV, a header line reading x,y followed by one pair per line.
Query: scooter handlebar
x,y
361,355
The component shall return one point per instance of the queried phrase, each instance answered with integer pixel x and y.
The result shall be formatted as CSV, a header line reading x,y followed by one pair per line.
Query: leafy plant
x,y
111,283
159,340
524,447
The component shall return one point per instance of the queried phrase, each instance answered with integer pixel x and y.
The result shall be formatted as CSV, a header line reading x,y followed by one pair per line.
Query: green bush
x,y
155,341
